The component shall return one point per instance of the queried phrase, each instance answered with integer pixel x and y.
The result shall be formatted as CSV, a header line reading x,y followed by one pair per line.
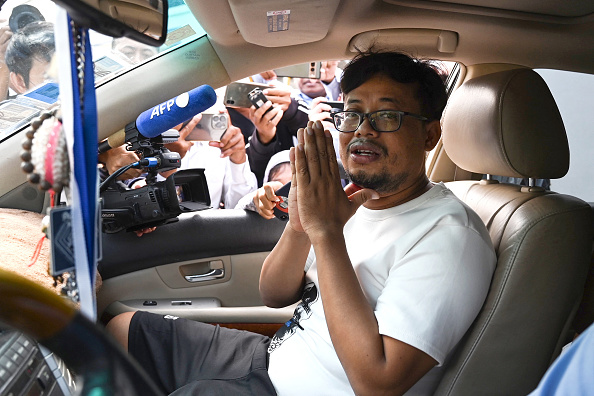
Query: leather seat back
x,y
508,124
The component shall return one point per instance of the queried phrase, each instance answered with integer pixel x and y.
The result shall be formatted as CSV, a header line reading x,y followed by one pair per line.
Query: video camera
x,y
159,202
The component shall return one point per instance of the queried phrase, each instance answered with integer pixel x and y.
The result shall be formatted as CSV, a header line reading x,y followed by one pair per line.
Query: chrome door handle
x,y
217,273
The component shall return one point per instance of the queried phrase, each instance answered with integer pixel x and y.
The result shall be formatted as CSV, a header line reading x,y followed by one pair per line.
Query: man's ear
x,y
17,83
433,130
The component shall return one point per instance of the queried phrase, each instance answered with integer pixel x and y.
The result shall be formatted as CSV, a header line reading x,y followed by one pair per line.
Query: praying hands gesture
x,y
318,204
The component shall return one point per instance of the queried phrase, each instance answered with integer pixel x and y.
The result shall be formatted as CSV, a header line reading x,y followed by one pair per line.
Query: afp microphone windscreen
x,y
166,115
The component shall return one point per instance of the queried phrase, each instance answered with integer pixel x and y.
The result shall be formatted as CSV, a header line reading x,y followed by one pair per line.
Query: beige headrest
x,y
506,124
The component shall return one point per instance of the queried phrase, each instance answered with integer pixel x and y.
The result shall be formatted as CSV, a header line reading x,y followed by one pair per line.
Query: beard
x,y
383,182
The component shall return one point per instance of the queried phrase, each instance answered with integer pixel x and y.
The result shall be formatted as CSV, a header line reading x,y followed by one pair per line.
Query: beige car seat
x,y
508,124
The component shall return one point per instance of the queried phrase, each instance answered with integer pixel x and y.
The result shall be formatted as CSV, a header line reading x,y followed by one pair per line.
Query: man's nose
x,y
365,129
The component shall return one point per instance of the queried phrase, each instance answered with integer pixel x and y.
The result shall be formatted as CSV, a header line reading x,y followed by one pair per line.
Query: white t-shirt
x,y
227,181
425,267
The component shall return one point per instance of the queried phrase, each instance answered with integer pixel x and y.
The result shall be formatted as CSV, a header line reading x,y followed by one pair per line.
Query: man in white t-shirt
x,y
390,272
399,279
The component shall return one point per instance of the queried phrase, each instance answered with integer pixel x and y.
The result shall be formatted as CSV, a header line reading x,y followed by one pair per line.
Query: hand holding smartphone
x,y
257,97
281,208
211,127
237,94
336,105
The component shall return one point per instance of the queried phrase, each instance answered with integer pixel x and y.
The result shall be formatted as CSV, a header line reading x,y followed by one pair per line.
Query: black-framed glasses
x,y
381,120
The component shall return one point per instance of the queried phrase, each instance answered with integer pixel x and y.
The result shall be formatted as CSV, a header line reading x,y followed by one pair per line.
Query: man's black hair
x,y
34,41
401,68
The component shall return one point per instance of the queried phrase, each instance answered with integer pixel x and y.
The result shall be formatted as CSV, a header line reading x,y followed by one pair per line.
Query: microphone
x,y
153,122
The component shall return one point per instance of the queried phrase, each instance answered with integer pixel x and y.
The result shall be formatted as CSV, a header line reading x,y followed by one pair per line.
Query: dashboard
x,y
27,368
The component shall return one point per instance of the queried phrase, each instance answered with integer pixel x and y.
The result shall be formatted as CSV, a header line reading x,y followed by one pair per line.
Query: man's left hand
x,y
323,205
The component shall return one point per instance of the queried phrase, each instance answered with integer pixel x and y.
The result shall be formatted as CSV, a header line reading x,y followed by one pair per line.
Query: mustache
x,y
368,142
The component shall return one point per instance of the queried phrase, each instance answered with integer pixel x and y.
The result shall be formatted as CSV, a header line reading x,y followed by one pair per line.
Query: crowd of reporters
x,y
250,161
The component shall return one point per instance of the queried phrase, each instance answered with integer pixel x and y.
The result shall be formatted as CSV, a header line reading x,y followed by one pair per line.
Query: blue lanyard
x,y
85,145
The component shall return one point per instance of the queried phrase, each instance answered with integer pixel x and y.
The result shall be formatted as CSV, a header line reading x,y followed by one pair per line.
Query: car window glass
x,y
27,46
573,94
27,87
446,69
112,56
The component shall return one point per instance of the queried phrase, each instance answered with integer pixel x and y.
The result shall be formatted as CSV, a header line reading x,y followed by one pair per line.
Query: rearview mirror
x,y
142,20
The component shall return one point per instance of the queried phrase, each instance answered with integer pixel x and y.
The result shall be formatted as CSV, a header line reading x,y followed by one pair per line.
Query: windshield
x,y
27,46
113,56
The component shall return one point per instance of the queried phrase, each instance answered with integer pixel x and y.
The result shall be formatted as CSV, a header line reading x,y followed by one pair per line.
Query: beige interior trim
x,y
173,275
558,14
443,41
482,69
240,289
260,21
208,314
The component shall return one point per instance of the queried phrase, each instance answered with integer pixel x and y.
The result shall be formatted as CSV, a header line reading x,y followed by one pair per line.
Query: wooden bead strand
x,y
44,154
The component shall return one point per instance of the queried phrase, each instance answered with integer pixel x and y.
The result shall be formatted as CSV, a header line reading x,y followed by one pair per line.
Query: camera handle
x,y
145,162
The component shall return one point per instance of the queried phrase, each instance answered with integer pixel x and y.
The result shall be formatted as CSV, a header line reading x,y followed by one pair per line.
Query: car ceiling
x,y
535,33
555,34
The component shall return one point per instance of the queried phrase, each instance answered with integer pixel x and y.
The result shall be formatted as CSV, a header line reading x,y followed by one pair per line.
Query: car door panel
x,y
204,267
202,234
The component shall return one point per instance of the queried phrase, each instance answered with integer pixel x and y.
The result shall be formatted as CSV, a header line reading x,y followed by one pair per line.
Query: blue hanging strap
x,y
79,112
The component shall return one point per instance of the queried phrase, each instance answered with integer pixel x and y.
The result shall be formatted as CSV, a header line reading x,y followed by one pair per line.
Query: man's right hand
x,y
328,71
321,111
266,122
294,220
118,157
265,199
279,95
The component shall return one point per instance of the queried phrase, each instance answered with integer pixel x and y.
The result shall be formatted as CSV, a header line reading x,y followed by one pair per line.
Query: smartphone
x,y
237,93
211,127
281,208
302,70
336,105
258,98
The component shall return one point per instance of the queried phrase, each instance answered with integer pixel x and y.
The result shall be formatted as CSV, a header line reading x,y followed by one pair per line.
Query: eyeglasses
x,y
381,120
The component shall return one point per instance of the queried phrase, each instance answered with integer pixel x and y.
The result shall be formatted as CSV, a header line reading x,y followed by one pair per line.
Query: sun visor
x,y
273,23
422,40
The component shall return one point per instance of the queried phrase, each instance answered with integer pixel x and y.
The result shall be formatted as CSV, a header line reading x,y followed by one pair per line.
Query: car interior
x,y
502,120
